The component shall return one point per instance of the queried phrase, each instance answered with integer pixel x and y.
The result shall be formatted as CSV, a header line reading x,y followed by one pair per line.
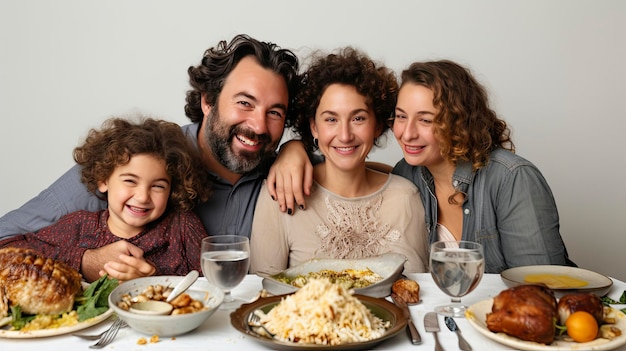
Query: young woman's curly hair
x,y
378,84
120,139
466,127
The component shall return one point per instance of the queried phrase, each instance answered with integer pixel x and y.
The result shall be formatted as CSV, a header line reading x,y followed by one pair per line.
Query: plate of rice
x,y
320,315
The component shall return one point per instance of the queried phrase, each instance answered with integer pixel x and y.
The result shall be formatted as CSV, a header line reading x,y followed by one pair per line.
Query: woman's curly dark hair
x,y
120,139
377,83
466,127
208,78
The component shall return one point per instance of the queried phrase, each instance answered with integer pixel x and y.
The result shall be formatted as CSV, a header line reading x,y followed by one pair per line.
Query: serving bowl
x,y
560,279
389,266
168,325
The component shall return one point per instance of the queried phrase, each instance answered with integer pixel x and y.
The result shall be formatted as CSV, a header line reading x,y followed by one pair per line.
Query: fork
x,y
97,336
109,335
255,321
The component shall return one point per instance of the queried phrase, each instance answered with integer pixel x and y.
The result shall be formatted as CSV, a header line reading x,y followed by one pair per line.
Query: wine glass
x,y
457,267
225,262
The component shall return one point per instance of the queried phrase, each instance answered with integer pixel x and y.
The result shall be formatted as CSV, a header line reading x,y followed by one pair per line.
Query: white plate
x,y
390,266
477,315
596,283
42,333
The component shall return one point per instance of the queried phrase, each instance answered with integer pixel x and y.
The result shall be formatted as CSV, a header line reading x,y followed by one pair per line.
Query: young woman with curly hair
x,y
151,177
474,187
353,211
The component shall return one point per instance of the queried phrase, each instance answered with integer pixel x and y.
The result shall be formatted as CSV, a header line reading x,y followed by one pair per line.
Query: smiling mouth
x,y
137,209
413,148
246,141
345,149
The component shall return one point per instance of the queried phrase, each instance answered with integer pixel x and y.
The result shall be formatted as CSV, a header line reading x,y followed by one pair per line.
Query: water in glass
x,y
456,268
225,261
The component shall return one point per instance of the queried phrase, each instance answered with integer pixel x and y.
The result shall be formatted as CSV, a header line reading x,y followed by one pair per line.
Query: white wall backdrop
x,y
555,70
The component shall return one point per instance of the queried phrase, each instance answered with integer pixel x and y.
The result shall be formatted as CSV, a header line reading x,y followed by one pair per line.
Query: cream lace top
x,y
391,219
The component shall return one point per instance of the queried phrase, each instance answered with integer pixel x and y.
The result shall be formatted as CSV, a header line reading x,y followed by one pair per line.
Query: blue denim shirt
x,y
229,210
509,209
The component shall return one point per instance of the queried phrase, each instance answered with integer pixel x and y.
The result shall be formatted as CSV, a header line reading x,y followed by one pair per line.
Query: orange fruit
x,y
582,326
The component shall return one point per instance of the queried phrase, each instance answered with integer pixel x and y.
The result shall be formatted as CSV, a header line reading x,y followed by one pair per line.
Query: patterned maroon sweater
x,y
172,243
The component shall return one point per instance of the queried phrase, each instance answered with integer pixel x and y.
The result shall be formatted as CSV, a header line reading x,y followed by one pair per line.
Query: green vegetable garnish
x,y
95,299
609,301
18,321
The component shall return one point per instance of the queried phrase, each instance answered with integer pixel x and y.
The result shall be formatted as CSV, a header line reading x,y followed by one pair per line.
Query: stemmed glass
x,y
457,267
225,262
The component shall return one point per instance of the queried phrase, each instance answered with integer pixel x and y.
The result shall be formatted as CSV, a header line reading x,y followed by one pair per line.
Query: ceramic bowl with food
x,y
208,294
561,280
388,266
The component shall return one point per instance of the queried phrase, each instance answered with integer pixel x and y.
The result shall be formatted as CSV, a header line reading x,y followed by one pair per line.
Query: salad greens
x,y
609,301
95,299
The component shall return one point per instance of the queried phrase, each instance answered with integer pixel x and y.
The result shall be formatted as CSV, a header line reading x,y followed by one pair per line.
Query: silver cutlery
x,y
451,324
255,321
411,330
109,335
97,336
431,324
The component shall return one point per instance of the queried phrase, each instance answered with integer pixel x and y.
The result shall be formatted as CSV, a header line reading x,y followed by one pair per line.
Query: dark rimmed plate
x,y
381,308
596,282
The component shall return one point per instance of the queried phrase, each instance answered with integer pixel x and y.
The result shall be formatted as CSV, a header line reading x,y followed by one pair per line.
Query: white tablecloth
x,y
218,334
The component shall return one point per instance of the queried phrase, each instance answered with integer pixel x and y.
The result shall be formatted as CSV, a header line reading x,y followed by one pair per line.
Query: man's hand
x,y
290,177
125,258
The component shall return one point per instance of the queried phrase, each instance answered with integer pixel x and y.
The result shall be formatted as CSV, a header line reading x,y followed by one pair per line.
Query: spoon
x,y
164,307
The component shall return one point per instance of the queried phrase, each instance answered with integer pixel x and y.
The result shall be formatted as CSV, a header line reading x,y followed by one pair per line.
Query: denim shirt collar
x,y
461,179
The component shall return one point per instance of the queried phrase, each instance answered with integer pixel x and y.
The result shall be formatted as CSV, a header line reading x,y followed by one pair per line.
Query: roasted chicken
x,y
39,285
588,302
527,312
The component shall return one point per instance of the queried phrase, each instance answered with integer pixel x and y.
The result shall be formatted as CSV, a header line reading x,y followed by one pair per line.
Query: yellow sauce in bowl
x,y
555,281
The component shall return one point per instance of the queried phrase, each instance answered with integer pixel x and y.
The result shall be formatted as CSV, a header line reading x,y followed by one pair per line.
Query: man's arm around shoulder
x,y
67,194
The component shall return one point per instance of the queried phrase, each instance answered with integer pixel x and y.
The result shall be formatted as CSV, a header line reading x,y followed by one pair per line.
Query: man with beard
x,y
238,106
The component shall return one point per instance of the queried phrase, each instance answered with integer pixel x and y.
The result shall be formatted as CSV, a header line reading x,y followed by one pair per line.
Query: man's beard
x,y
219,137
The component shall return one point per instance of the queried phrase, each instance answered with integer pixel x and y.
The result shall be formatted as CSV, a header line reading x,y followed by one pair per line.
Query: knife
x,y
431,324
463,344
411,330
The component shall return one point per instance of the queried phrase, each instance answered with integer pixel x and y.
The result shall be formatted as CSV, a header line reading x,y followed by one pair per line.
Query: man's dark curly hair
x,y
120,139
208,77
466,127
349,66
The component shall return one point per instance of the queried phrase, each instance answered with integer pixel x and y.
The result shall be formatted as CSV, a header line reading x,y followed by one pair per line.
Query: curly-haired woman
x,y
353,211
474,187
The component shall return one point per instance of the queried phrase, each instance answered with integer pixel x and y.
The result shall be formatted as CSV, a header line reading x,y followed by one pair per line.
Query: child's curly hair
x,y
120,139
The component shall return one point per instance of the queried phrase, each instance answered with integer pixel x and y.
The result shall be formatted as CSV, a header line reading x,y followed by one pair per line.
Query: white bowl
x,y
595,282
389,265
165,326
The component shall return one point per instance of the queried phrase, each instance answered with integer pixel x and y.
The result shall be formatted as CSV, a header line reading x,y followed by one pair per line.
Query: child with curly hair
x,y
151,178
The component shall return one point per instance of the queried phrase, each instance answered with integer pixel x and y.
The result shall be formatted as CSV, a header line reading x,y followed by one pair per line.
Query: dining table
x,y
217,333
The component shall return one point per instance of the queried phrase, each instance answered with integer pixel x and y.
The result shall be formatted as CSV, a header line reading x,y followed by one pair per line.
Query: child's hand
x,y
129,267
94,260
